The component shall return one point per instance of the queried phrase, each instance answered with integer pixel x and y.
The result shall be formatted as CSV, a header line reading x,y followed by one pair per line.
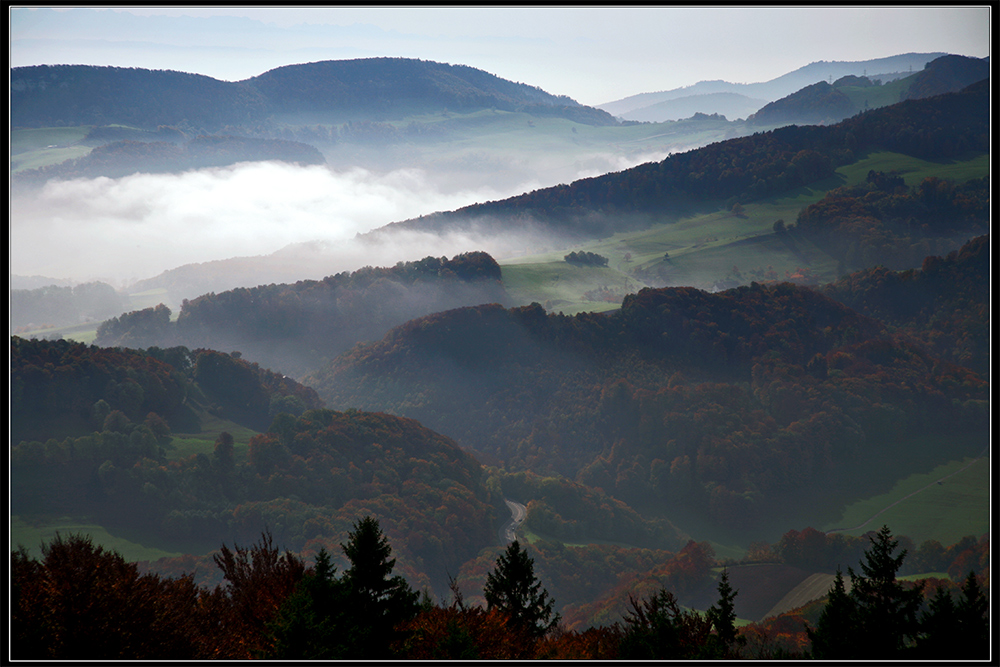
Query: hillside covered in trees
x,y
829,102
329,91
725,403
295,327
93,427
743,169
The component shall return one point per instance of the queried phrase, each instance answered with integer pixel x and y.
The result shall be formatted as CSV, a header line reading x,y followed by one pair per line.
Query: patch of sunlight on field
x,y
31,535
946,504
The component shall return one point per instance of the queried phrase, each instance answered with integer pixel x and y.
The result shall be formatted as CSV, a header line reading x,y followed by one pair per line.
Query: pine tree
x,y
939,627
308,624
513,588
972,611
723,617
886,610
376,601
831,638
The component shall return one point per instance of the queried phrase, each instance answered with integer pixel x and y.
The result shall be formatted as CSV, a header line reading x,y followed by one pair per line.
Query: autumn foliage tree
x,y
82,602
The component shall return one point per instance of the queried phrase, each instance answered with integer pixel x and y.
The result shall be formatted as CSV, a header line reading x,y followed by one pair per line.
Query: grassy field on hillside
x,y
945,504
34,148
32,532
183,445
715,249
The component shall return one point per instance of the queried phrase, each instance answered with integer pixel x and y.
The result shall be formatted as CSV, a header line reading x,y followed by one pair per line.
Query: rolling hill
x,y
723,404
742,169
363,89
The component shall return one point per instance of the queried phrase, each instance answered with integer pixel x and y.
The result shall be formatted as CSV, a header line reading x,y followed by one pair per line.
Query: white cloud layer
x,y
135,227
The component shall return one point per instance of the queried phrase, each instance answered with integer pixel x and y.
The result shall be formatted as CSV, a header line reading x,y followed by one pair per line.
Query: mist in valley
x,y
124,230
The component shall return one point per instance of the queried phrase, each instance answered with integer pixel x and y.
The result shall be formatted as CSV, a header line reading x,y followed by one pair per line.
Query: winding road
x,y
517,514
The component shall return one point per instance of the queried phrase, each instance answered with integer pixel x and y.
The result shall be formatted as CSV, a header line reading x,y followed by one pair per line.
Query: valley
x,y
676,351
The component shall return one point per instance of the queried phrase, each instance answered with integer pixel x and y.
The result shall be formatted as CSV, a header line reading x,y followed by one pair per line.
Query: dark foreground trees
x,y
82,602
355,616
882,618
513,588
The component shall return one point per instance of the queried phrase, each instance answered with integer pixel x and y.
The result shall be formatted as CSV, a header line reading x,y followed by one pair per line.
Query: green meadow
x,y
32,532
945,504
712,249
41,147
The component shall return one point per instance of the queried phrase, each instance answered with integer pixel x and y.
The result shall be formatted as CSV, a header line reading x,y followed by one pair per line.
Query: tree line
x,y
81,601
294,327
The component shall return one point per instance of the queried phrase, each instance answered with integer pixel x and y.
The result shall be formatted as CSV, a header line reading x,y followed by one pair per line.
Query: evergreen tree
x,y
376,601
831,637
886,610
723,617
972,611
308,624
939,627
513,588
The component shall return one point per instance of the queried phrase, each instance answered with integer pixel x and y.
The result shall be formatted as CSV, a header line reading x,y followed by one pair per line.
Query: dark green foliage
x,y
878,619
972,613
584,258
939,628
830,638
886,609
726,641
352,617
882,618
513,588
377,601
310,624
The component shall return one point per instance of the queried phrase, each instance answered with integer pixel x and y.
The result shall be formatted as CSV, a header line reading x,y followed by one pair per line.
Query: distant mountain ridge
x,y
824,102
637,107
336,90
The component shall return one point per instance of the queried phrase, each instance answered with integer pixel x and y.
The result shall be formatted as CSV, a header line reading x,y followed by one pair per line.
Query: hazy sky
x,y
592,54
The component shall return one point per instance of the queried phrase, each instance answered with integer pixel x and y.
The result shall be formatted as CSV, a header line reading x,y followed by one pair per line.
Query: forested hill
x,y
64,389
329,91
726,403
94,430
294,327
741,169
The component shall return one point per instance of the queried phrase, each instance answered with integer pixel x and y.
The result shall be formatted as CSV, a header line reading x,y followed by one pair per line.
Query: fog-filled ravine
x,y
405,336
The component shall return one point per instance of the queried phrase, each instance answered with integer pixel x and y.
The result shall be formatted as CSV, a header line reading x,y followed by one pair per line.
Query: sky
x,y
593,54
